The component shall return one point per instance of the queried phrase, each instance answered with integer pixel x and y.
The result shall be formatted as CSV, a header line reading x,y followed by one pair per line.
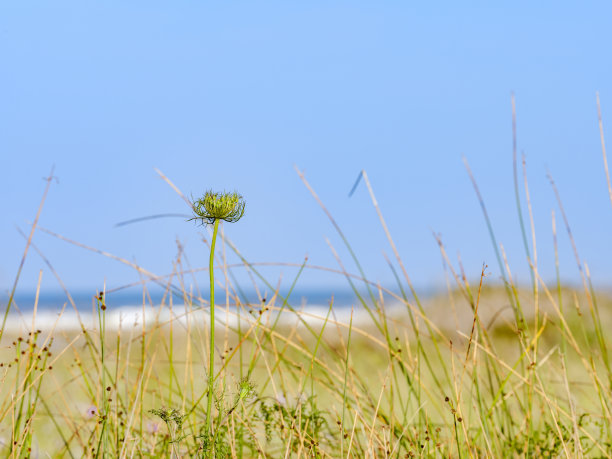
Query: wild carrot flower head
x,y
218,206
246,390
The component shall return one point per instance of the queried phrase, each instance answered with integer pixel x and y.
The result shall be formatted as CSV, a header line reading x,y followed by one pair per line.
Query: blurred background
x,y
232,95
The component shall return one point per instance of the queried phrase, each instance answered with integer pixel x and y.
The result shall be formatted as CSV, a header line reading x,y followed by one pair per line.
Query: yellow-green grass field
x,y
483,370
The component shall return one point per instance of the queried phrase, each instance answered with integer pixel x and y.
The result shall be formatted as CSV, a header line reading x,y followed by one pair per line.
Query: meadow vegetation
x,y
485,370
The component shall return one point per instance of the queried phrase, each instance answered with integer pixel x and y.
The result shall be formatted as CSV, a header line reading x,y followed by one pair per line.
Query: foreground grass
x,y
484,372
323,387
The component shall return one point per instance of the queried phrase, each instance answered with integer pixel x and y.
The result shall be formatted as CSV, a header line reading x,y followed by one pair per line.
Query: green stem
x,y
211,369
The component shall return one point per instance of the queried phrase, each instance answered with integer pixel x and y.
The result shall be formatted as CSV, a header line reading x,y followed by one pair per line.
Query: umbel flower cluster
x,y
218,206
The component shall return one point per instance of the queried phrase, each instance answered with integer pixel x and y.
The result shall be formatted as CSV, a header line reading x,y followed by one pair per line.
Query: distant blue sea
x,y
84,300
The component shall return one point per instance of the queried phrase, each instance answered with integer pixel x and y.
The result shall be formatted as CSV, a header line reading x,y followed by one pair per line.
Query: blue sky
x,y
230,95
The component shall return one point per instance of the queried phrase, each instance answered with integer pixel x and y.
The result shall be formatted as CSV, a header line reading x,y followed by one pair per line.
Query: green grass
x,y
481,371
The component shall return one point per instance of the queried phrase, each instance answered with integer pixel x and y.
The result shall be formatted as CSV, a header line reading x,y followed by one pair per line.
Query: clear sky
x,y
230,95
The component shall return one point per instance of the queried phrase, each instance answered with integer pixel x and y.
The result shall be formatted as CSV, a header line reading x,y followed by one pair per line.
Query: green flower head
x,y
218,206
246,390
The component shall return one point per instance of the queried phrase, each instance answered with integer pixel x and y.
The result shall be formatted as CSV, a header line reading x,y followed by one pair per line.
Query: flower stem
x,y
211,370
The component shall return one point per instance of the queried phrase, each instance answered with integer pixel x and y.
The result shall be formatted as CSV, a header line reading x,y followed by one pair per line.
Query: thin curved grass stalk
x,y
603,147
381,326
408,281
517,195
516,307
586,282
346,371
25,252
